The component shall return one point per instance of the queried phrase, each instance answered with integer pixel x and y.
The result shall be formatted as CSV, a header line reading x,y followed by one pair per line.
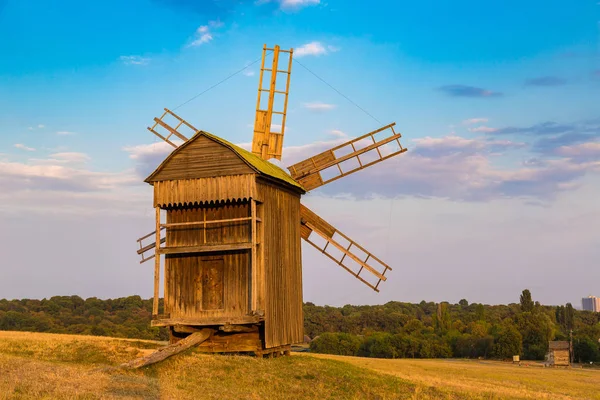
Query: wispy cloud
x,y
317,106
296,4
248,72
336,133
23,147
546,81
484,129
204,34
134,60
544,128
468,91
582,152
314,48
473,121
65,133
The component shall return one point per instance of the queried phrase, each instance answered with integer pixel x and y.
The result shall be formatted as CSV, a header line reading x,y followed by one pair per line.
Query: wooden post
x,y
253,263
156,264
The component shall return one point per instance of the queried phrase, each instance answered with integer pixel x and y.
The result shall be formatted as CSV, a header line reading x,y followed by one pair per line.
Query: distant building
x,y
591,303
558,353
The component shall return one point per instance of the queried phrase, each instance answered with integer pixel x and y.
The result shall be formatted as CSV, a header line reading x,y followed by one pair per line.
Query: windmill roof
x,y
558,345
255,162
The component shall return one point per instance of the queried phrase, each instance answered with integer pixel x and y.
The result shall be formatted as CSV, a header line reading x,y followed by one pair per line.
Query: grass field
x,y
46,366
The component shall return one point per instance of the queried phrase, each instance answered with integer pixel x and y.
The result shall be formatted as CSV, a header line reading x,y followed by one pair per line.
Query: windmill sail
x,y
171,131
346,255
309,171
268,135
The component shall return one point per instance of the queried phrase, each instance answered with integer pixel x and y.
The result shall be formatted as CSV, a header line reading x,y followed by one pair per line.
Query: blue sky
x,y
497,103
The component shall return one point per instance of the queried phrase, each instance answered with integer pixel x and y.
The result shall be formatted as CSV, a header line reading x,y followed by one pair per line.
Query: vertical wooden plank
x,y
156,264
253,261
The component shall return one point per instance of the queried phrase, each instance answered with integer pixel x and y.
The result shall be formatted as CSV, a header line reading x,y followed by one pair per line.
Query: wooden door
x,y
212,275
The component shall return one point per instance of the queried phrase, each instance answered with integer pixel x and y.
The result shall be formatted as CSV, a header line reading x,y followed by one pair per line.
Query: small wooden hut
x,y
559,353
232,247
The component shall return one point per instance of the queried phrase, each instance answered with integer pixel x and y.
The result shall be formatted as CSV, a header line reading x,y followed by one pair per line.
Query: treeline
x,y
443,330
127,317
392,330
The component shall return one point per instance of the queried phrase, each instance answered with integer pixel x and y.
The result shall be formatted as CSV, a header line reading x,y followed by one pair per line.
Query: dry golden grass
x,y
487,379
47,366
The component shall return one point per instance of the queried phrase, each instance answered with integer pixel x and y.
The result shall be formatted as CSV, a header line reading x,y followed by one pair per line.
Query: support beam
x,y
161,354
156,264
254,263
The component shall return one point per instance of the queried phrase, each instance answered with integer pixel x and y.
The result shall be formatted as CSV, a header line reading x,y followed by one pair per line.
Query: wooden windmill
x,y
234,222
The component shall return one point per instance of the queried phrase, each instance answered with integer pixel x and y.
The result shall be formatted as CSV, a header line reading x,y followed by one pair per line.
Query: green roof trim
x,y
255,162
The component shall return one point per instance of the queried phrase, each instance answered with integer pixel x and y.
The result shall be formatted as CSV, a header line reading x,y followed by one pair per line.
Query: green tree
x,y
586,349
508,343
480,312
527,303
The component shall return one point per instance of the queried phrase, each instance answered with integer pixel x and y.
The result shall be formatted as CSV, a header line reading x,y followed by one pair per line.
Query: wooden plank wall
x,y
284,322
172,193
187,275
201,158
561,357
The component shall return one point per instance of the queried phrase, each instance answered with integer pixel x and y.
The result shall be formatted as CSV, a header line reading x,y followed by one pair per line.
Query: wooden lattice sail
x,y
268,136
312,223
308,172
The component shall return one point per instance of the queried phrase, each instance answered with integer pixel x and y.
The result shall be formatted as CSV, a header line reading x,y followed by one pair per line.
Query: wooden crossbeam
x,y
173,131
308,172
312,223
207,248
143,249
266,143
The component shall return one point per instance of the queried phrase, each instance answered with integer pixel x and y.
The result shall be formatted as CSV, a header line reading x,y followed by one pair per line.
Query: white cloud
x,y
485,129
310,49
248,72
316,106
134,60
475,121
581,152
65,133
295,4
70,157
336,133
40,126
23,147
204,33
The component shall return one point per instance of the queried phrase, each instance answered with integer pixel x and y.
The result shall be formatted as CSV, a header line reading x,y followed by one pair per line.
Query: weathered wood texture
x,y
206,321
209,285
192,340
283,266
202,158
213,189
226,342
559,357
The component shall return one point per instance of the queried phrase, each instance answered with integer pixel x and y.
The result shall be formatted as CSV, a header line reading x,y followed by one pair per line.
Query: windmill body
x,y
229,226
